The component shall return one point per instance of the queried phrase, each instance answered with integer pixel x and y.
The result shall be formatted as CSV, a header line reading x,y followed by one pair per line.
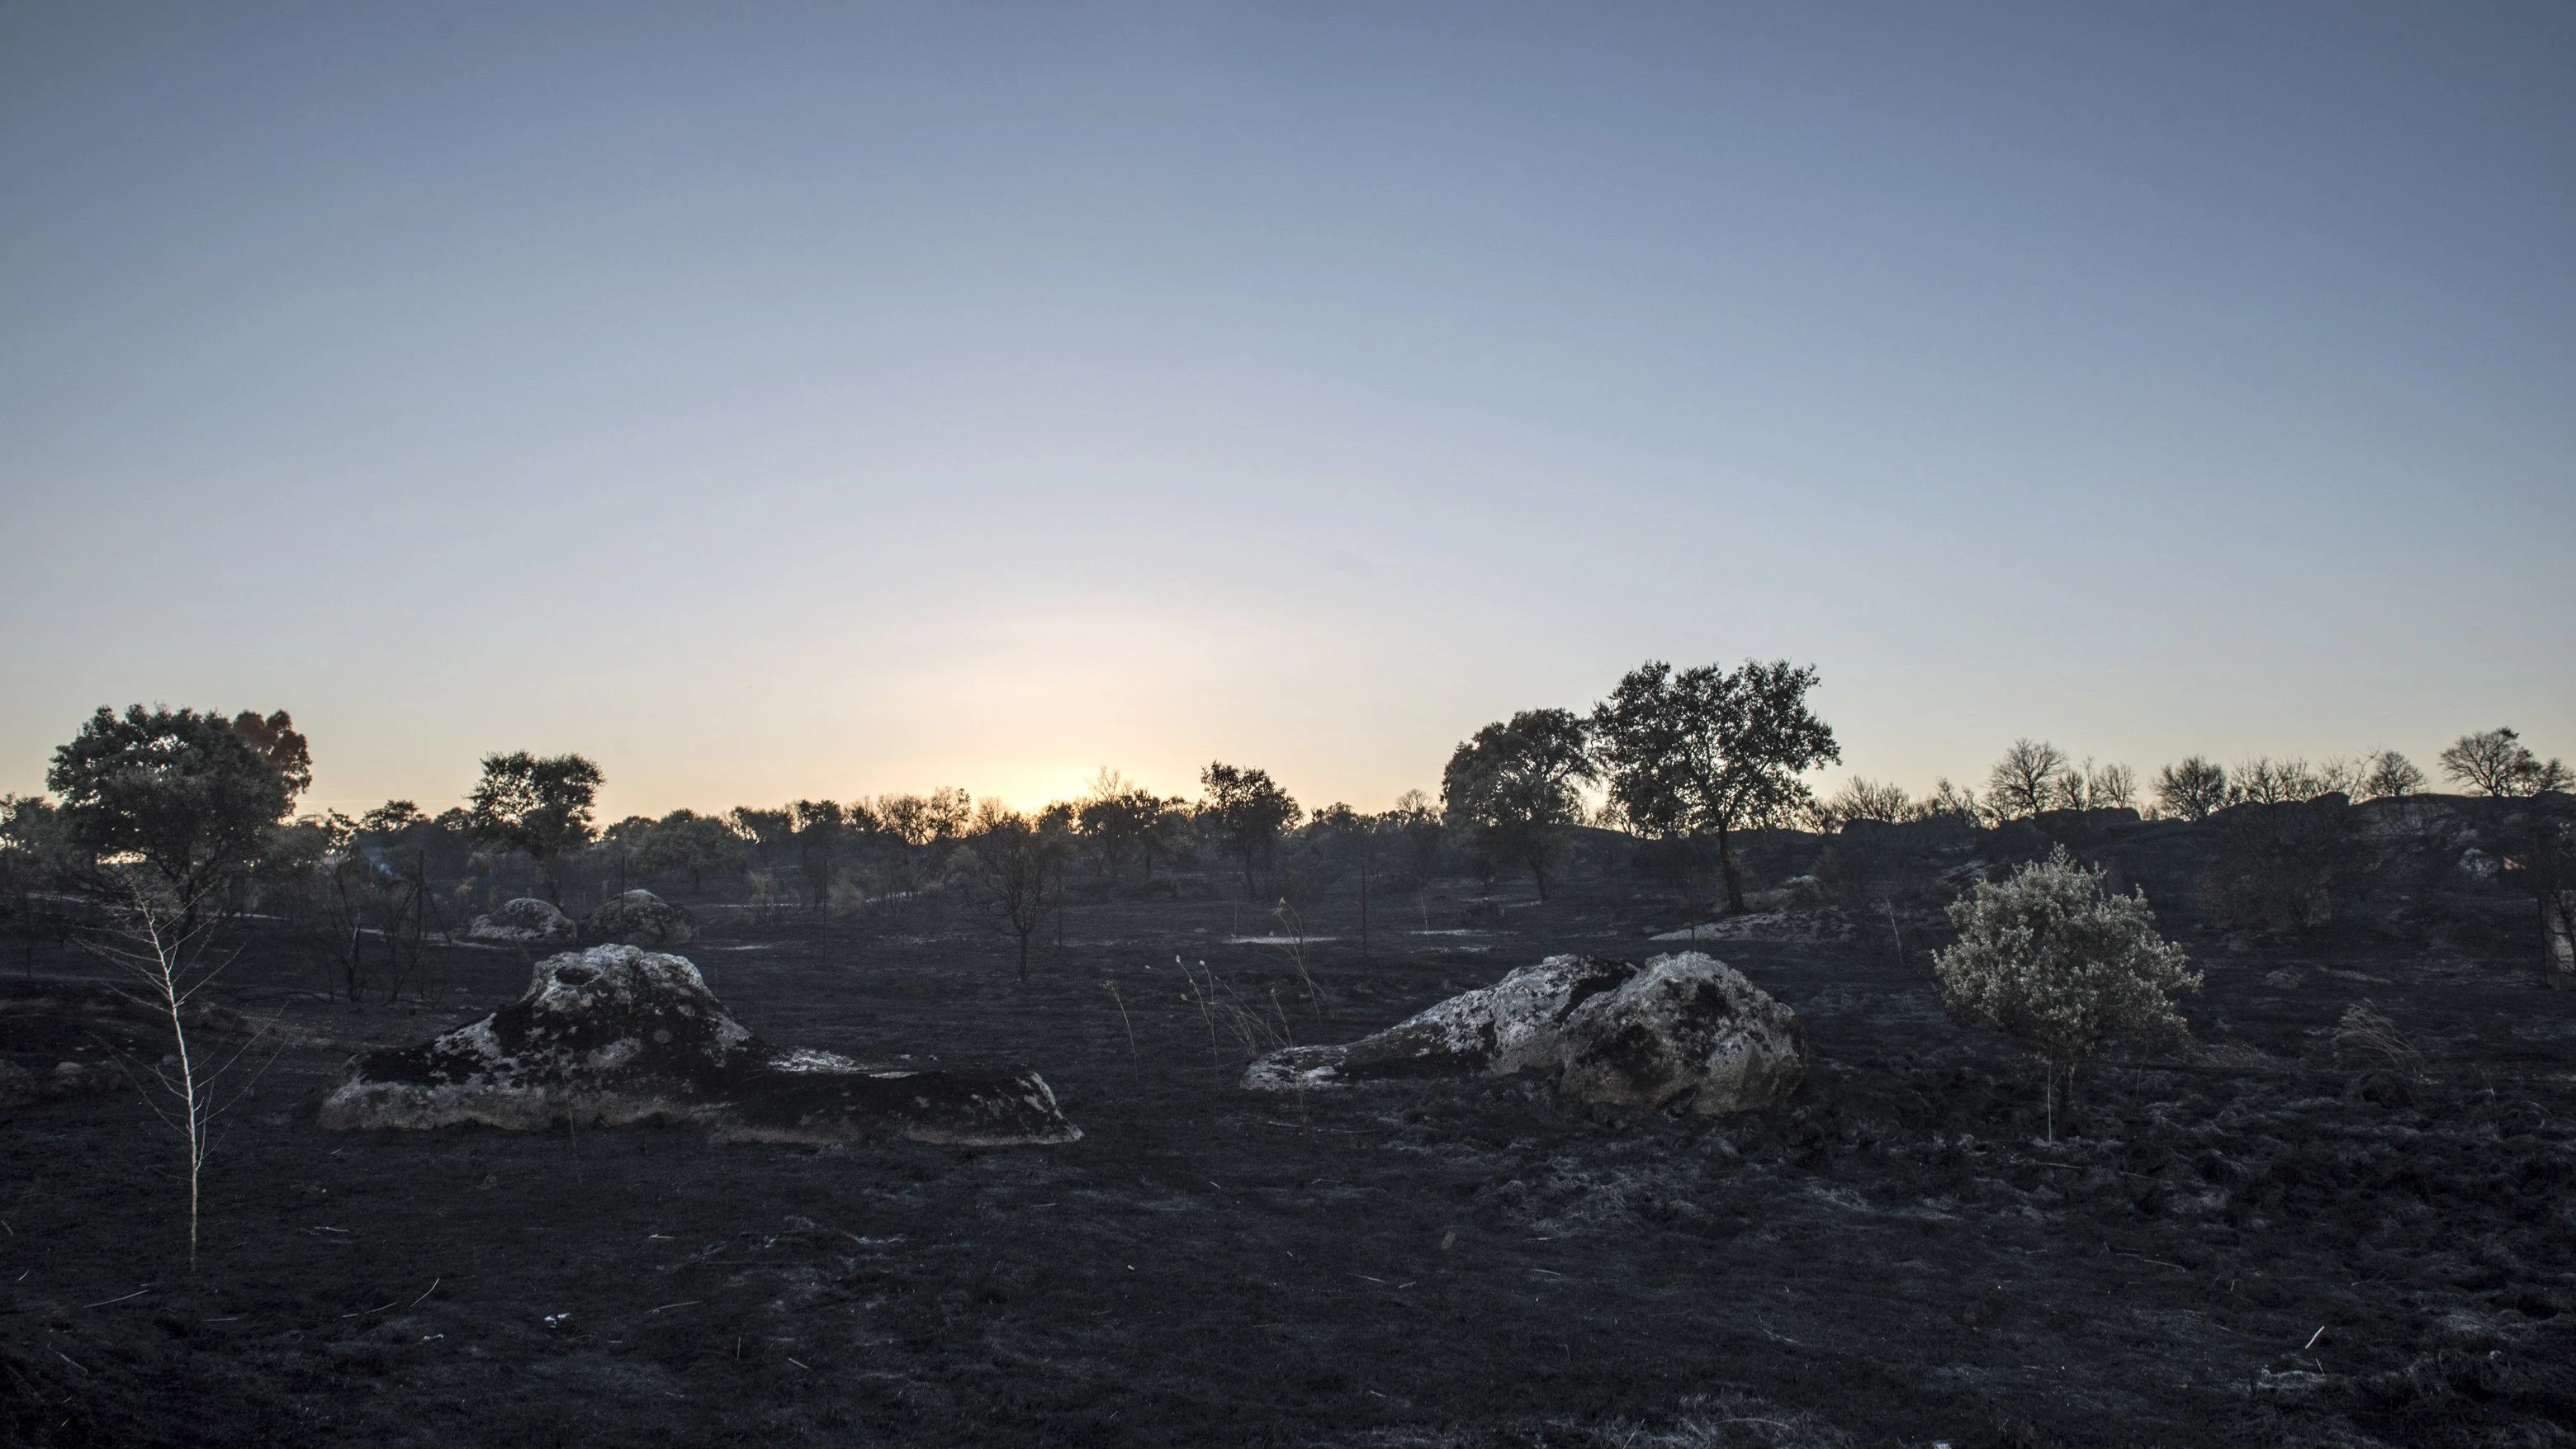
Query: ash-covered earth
x,y
2343,1214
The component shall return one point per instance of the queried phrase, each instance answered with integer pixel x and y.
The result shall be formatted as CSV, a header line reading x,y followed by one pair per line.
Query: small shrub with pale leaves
x,y
2061,965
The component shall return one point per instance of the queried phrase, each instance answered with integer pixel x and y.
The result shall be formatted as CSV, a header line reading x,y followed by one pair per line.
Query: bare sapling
x,y
162,946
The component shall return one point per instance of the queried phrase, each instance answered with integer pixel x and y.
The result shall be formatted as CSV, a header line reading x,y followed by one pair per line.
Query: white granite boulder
x,y
526,921
1681,1030
616,1035
1686,1029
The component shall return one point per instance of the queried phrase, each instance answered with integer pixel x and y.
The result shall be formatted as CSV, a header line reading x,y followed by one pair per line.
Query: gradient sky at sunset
x,y
796,400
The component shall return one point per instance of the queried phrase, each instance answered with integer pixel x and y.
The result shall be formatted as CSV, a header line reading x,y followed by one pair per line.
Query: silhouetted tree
x,y
1246,810
1006,859
1117,817
288,752
819,826
336,898
1947,802
948,813
922,825
540,806
1414,821
2391,774
1861,799
2497,762
1512,789
687,843
1354,838
2192,789
1169,840
2263,780
2031,777
769,838
1711,750
2341,775
2107,787
1059,846
403,843
185,792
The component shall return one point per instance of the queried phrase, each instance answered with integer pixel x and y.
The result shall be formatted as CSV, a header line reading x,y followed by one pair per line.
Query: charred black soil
x,y
2277,1237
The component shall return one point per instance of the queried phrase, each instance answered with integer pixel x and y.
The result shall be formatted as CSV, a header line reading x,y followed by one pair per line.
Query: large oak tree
x,y
1512,789
1710,751
192,796
537,805
1247,811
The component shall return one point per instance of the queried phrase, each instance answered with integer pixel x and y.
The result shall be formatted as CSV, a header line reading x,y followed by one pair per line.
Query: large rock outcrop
x,y
526,921
617,1034
1681,1030
640,918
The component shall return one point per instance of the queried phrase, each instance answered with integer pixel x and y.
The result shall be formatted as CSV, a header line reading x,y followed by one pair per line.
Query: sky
x,y
777,401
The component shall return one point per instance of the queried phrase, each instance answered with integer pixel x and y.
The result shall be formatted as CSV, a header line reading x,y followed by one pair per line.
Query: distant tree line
x,y
2035,777
1683,761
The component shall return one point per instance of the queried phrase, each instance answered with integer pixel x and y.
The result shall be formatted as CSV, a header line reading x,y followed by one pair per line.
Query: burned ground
x,y
2280,1235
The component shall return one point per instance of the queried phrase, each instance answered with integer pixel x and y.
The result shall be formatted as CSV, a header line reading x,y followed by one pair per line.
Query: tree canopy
x,y
819,826
1247,810
1512,790
2497,762
687,843
1711,750
1118,817
2033,776
186,793
2192,789
538,805
1012,861
276,740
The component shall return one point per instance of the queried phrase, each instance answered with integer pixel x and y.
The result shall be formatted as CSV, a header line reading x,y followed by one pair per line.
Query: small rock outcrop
x,y
1681,1030
640,918
1819,926
618,1034
526,921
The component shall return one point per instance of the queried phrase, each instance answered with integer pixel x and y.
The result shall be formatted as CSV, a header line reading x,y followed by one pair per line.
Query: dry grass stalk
x,y
2366,1037
1253,1030
1136,1057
